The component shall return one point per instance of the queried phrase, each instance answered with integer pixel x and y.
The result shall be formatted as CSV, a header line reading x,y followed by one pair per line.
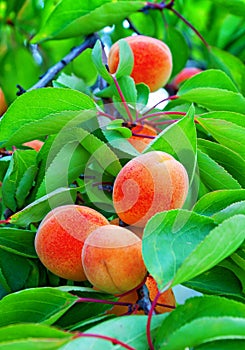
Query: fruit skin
x,y
34,144
152,60
60,238
148,184
139,142
112,259
137,230
3,103
166,298
185,74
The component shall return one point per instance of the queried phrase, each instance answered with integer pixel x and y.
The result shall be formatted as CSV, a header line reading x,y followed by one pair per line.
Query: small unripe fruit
x,y
60,238
185,74
112,259
152,60
148,184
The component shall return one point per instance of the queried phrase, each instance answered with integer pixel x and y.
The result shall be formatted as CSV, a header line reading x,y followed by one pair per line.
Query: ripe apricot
x,y
165,303
148,184
137,230
152,60
60,238
185,74
137,140
112,259
3,103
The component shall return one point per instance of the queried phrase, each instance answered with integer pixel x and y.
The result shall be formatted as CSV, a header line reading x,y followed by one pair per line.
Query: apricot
x,y
60,238
152,60
137,230
112,259
137,140
148,184
34,144
3,103
185,74
165,303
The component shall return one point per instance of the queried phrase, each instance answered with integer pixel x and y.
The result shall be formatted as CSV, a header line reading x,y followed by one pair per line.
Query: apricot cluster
x,y
78,243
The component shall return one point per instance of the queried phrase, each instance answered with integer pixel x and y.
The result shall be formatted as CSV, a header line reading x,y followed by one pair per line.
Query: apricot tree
x,y
114,196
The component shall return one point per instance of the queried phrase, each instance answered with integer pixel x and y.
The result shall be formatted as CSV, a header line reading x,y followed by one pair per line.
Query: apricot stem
x,y
103,301
114,341
159,114
123,99
148,325
103,114
169,98
7,221
190,26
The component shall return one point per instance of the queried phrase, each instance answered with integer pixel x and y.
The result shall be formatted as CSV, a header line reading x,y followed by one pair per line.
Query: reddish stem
x,y
103,114
123,99
114,341
190,26
148,326
169,98
159,114
103,301
7,221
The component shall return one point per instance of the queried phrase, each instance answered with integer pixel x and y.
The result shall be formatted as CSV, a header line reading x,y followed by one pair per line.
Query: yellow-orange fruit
x,y
34,144
140,142
3,103
184,74
152,60
112,259
137,230
166,302
60,238
148,184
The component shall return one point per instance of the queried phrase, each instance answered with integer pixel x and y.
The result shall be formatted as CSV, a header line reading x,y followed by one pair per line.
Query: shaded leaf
x,y
17,241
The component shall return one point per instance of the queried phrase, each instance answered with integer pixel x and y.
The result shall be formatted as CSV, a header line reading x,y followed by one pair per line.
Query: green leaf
x,y
83,314
116,125
177,43
14,271
130,330
182,147
195,332
215,99
142,95
229,211
32,337
53,109
230,64
236,7
210,78
126,59
230,264
221,242
213,175
4,164
212,310
69,161
226,344
17,241
239,258
171,236
97,57
236,118
215,201
19,178
39,305
218,281
78,18
227,158
36,211
128,89
226,133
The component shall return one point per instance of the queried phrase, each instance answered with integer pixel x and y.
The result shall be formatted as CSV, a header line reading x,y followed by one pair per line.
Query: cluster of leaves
x,y
200,246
